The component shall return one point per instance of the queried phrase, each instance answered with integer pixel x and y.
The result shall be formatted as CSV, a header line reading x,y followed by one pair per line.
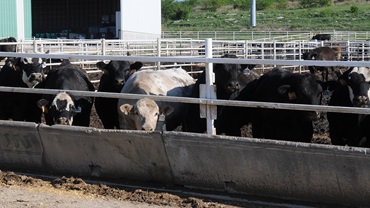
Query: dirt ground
x,y
25,191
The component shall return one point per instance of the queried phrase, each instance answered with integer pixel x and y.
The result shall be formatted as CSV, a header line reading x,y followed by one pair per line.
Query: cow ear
x,y
136,66
166,110
126,109
42,104
101,65
286,89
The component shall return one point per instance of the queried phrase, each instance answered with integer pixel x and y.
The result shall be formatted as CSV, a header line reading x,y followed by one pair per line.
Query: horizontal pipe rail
x,y
190,59
235,103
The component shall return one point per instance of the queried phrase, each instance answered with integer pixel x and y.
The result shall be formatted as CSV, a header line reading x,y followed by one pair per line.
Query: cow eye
x,y
156,114
136,113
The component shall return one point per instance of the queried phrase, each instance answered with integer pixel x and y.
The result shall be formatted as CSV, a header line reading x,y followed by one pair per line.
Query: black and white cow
x,y
8,48
143,114
26,73
321,54
229,80
115,75
353,91
278,86
64,108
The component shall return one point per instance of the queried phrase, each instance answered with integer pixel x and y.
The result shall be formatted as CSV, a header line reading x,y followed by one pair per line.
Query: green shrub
x,y
354,10
173,10
264,4
212,5
327,12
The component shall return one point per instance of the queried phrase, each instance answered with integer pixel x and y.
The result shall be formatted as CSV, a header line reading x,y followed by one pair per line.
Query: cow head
x,y
31,70
62,109
227,77
303,89
145,113
358,81
118,71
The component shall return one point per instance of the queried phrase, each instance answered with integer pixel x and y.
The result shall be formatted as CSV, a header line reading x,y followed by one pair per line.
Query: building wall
x,y
141,19
10,23
72,18
8,19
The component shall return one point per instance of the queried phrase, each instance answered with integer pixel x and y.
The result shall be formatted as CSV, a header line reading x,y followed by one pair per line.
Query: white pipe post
x,y
209,88
20,19
121,17
158,53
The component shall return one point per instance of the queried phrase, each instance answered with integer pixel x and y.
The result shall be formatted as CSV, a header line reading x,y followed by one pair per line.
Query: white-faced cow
x,y
353,91
25,73
320,54
229,80
143,114
278,86
8,48
115,75
64,108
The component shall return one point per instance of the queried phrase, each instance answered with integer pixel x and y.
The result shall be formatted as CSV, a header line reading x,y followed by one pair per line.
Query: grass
x,y
346,17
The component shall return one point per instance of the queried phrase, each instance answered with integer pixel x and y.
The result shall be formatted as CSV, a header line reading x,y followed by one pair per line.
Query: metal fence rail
x,y
266,35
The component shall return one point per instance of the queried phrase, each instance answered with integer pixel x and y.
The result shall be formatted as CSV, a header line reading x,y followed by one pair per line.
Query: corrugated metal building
x,y
81,18
15,19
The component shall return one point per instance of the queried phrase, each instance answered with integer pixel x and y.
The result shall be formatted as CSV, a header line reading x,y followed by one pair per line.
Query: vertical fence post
x,y
207,91
35,46
103,47
158,53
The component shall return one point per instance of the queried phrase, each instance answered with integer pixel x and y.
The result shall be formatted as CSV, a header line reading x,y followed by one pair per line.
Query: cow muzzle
x,y
36,77
233,86
361,101
62,121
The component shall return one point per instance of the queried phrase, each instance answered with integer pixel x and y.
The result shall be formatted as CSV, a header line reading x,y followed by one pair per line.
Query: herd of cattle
x,y
348,88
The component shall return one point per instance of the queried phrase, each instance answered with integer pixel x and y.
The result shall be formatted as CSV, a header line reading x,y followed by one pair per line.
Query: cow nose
x,y
147,128
361,101
36,76
233,85
63,121
120,81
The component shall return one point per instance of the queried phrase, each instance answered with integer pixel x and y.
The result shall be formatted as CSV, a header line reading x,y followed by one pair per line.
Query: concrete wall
x,y
287,170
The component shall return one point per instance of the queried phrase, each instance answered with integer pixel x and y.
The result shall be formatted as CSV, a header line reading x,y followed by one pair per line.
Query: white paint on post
x,y
158,53
20,19
121,19
210,88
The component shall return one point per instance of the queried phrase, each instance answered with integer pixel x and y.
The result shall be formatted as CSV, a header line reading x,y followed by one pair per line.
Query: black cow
x,y
8,48
321,37
115,75
322,54
25,73
278,86
229,80
64,108
353,91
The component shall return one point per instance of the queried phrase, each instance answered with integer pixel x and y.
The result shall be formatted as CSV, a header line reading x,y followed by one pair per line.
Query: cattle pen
x,y
288,170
